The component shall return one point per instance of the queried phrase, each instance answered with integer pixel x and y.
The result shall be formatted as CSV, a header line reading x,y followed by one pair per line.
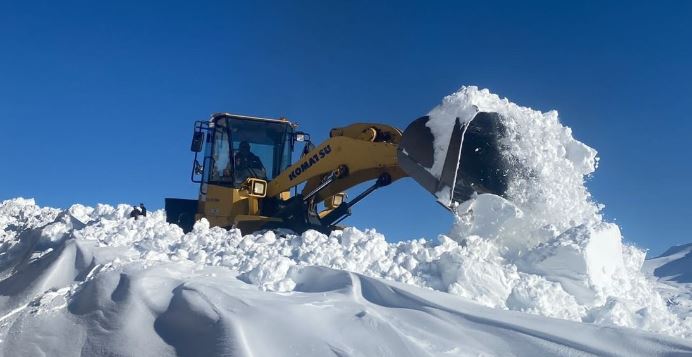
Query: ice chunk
x,y
581,259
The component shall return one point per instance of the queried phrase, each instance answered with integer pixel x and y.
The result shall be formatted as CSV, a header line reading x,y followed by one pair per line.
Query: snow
x,y
673,271
119,286
673,265
107,282
551,193
584,260
93,281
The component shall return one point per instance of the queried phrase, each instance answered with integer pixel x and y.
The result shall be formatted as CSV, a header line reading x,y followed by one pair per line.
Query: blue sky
x,y
98,99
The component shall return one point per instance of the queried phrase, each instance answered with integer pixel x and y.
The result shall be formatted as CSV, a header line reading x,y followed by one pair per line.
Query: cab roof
x,y
217,116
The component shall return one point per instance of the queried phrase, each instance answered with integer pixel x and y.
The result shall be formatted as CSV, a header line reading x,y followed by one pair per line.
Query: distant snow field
x,y
540,273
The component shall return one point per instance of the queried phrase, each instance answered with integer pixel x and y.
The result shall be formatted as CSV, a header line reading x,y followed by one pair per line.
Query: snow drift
x,y
95,273
105,284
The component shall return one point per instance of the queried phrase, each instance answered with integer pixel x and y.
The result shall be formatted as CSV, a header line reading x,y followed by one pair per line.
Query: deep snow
x,y
93,280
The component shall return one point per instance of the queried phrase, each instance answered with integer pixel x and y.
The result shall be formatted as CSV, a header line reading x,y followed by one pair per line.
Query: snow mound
x,y
549,231
112,285
589,286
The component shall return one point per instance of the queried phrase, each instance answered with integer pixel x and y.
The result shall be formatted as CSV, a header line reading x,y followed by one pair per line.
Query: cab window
x,y
245,148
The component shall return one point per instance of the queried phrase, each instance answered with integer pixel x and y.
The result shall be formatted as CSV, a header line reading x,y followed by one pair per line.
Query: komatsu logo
x,y
309,162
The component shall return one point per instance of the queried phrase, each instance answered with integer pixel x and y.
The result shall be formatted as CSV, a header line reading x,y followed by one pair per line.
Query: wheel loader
x,y
247,179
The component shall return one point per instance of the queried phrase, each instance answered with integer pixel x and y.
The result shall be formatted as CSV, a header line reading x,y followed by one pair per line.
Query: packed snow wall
x,y
545,250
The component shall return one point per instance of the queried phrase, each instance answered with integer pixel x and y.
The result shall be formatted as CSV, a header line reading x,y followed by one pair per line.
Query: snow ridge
x,y
472,267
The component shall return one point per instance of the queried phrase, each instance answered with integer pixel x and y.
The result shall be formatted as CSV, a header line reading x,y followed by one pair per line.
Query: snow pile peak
x,y
549,226
550,193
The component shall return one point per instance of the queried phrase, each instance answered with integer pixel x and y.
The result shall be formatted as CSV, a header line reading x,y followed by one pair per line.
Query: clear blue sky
x,y
97,99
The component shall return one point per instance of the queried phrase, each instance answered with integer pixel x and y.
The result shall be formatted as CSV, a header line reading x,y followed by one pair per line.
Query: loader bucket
x,y
474,162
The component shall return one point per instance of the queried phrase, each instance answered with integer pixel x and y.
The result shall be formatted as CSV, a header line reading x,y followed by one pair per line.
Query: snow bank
x,y
587,287
106,284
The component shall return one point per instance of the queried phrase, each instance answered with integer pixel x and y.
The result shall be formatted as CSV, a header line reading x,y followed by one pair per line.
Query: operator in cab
x,y
248,164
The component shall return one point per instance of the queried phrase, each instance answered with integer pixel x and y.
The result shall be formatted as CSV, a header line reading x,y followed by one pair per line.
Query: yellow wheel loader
x,y
247,180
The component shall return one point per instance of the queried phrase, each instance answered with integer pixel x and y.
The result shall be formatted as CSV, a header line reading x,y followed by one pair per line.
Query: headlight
x,y
338,199
335,201
259,188
255,187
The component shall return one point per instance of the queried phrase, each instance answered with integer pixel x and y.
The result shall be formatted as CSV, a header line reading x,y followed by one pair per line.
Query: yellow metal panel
x,y
285,196
357,130
221,205
356,155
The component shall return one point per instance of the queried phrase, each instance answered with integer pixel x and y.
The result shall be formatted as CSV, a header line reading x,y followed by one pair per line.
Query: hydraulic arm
x,y
360,152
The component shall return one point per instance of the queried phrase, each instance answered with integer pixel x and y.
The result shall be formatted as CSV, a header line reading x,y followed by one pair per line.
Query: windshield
x,y
245,148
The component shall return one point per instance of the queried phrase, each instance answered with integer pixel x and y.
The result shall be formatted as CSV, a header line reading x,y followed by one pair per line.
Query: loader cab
x,y
237,147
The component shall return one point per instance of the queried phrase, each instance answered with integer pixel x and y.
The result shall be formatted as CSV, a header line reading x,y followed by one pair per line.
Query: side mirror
x,y
301,136
197,141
